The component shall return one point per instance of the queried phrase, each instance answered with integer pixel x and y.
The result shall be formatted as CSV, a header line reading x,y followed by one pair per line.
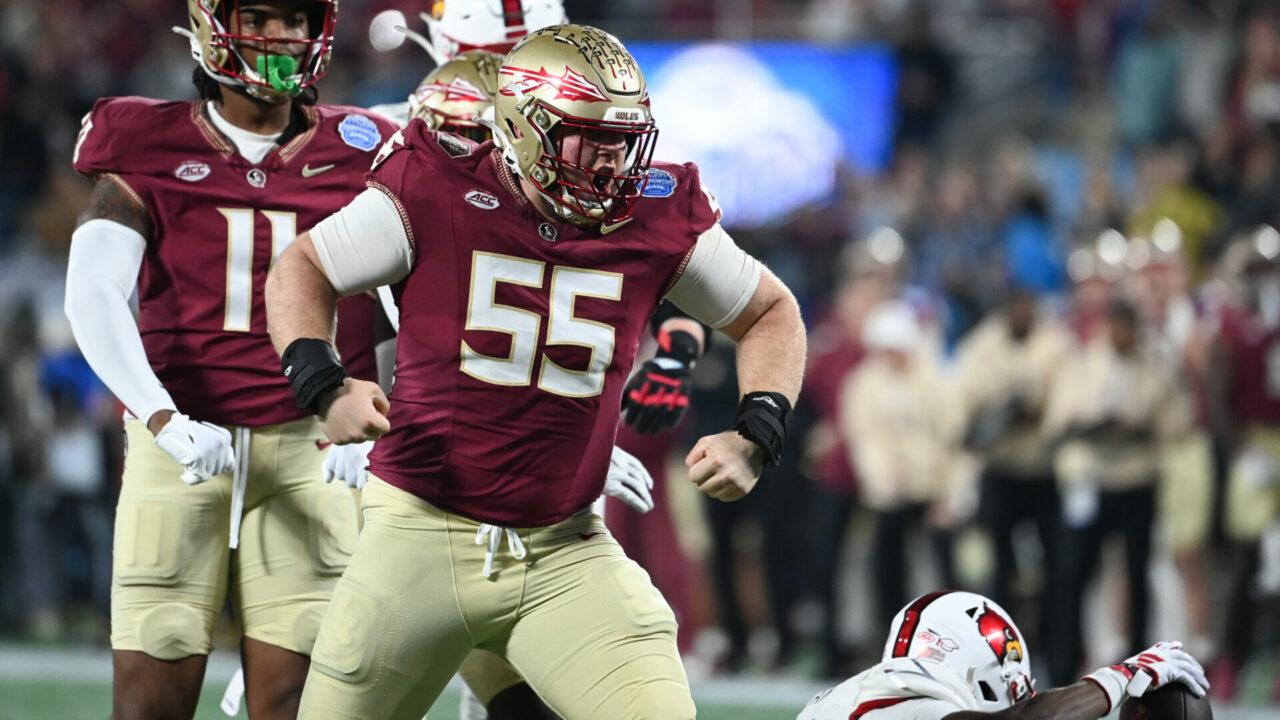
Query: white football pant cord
x,y
491,537
235,692
239,484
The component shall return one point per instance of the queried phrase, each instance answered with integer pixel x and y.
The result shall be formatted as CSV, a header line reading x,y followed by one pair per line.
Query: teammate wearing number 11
x,y
193,203
525,273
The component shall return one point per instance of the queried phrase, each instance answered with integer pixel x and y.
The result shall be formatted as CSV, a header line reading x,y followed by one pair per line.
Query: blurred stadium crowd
x,y
1051,323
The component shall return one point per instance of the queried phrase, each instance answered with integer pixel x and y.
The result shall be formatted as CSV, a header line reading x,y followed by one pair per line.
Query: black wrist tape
x,y
678,345
313,367
763,418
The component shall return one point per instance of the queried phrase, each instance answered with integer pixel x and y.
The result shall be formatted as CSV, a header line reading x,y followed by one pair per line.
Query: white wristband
x,y
1113,681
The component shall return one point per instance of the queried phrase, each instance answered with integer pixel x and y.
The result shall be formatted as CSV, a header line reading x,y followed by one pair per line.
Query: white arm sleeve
x,y
101,275
364,244
718,280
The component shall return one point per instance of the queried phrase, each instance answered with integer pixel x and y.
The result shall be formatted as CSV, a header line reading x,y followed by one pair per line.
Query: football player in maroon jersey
x,y
526,272
456,97
193,202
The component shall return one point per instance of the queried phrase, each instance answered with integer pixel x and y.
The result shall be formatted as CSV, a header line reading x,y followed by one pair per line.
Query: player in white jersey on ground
x,y
958,656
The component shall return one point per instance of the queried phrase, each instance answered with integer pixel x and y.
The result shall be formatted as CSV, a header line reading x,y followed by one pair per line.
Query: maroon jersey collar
x,y
209,131
508,180
565,230
299,141
224,146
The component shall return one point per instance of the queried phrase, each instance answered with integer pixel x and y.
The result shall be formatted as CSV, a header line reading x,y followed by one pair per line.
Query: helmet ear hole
x,y
987,693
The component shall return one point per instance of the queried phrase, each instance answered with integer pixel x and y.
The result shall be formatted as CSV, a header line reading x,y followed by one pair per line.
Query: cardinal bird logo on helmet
x,y
1000,635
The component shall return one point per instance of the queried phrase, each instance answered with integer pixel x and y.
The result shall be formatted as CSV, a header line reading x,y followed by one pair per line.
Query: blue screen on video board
x,y
767,123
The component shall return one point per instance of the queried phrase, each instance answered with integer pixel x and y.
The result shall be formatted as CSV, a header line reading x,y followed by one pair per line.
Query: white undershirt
x,y
252,146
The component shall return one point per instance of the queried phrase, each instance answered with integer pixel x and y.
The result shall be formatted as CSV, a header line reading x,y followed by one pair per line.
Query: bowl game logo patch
x,y
659,183
359,132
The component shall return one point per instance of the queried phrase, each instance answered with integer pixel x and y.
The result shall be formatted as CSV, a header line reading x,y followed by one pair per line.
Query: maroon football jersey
x,y
1254,350
355,338
220,222
517,333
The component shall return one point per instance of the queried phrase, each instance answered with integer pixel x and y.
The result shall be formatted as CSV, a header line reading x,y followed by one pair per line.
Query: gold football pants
x,y
578,619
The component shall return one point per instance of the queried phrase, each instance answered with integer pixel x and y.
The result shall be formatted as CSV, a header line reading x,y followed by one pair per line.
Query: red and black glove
x,y
657,396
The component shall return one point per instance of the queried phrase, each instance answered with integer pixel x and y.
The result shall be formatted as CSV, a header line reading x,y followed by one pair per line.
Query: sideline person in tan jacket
x,y
902,424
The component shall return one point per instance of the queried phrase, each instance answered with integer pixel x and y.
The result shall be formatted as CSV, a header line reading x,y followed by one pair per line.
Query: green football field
x,y
42,683
46,683
53,700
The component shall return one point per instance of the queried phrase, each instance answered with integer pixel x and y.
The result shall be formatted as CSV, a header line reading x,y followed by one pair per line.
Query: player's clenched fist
x,y
355,412
725,466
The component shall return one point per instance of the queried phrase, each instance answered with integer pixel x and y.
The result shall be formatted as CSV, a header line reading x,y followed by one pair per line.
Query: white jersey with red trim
x,y
896,689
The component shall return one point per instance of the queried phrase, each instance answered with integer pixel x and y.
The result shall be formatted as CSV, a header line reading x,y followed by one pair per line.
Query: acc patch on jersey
x,y
192,171
660,184
482,199
359,132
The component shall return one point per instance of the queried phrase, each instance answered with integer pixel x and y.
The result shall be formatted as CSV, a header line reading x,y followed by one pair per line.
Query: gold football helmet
x,y
454,95
274,78
570,86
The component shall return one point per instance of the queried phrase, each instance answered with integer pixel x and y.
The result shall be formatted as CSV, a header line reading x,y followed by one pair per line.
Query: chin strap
x,y
424,43
197,53
503,143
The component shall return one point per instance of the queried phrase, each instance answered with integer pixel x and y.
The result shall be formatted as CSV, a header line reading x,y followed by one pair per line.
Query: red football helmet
x,y
216,44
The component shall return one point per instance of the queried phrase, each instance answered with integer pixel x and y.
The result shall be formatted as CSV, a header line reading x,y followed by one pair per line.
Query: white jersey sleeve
x,y
898,689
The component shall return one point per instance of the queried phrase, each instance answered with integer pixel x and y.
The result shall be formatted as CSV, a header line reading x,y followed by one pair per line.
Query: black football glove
x,y
657,396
